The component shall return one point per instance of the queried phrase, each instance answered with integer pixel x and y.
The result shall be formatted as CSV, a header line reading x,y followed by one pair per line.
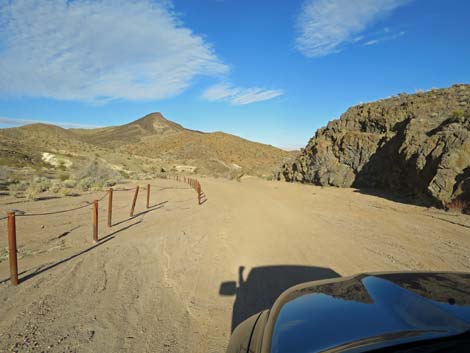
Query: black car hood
x,y
368,311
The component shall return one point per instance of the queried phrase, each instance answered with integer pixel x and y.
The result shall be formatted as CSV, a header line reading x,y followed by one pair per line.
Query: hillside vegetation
x,y
148,146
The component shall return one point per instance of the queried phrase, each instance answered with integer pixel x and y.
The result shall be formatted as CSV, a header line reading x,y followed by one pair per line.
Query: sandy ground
x,y
153,282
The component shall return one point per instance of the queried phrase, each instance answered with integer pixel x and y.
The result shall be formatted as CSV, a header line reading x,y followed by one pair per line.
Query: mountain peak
x,y
155,123
153,116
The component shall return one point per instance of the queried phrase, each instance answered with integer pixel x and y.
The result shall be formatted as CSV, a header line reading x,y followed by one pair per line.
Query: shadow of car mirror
x,y
228,288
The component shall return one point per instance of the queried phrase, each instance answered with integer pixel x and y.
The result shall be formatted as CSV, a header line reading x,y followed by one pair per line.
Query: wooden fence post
x,y
110,207
134,201
198,187
148,195
95,221
12,248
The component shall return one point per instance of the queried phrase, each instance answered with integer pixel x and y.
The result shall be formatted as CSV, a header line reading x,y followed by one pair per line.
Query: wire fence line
x,y
54,212
96,206
88,203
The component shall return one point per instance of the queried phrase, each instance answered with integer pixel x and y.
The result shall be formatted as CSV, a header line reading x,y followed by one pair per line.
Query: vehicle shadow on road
x,y
264,284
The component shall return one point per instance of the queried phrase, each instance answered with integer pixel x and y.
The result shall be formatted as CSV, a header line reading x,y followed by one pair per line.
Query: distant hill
x,y
149,144
416,145
153,124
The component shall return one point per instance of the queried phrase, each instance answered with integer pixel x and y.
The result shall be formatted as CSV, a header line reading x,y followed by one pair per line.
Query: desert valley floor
x,y
153,282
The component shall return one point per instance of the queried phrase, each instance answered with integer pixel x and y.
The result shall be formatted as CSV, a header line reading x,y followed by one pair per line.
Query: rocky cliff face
x,y
417,145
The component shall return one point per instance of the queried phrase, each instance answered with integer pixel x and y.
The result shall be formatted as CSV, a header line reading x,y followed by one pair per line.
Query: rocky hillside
x,y
149,145
416,145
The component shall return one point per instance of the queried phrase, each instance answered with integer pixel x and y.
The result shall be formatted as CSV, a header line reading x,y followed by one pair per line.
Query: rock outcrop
x,y
417,145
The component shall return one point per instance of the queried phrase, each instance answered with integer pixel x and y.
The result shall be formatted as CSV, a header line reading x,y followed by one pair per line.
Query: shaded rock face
x,y
417,145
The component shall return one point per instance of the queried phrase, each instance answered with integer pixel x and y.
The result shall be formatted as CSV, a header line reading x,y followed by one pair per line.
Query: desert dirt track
x,y
153,283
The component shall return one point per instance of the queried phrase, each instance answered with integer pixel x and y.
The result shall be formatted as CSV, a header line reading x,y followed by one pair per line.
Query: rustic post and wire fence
x,y
95,221
148,195
11,219
12,248
196,185
134,200
110,207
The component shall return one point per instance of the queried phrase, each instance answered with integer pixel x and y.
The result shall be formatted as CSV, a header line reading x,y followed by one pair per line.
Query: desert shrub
x,y
17,188
32,191
96,176
124,174
459,113
4,173
56,187
93,184
41,184
64,189
69,184
63,177
97,170
67,192
62,165
37,186
85,184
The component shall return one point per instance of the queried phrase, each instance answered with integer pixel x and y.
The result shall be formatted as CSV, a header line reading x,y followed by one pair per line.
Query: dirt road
x,y
154,282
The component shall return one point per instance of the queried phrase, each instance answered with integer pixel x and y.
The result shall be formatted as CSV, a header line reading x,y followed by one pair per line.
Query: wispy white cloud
x,y
325,26
384,38
371,42
239,96
99,50
19,122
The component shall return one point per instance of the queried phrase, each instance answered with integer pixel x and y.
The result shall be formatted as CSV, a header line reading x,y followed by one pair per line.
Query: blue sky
x,y
270,71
